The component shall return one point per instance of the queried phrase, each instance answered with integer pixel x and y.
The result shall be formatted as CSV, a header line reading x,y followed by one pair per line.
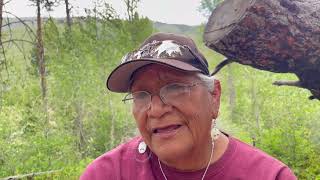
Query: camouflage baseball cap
x,y
167,49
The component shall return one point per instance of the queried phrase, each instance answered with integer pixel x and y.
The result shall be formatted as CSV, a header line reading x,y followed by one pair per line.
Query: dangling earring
x,y
214,131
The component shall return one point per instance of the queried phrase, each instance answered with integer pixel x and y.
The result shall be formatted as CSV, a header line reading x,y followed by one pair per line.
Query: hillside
x,y
158,26
176,28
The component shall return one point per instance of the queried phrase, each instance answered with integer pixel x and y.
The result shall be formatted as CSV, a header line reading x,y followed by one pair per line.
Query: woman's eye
x,y
140,95
176,88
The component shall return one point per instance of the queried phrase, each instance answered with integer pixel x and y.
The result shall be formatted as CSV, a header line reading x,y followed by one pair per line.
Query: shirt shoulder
x,y
286,174
119,163
256,164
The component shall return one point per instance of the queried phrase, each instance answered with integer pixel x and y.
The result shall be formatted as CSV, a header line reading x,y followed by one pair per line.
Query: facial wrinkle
x,y
165,77
161,76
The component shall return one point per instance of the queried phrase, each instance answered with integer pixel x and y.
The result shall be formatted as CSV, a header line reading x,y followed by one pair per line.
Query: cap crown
x,y
183,41
167,49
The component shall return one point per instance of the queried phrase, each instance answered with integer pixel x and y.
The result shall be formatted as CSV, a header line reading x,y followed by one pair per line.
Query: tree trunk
x,y
274,35
255,105
1,18
40,55
68,10
42,72
232,93
78,127
113,126
131,6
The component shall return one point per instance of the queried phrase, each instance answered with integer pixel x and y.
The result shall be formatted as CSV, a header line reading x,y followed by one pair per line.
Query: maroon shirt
x,y
240,161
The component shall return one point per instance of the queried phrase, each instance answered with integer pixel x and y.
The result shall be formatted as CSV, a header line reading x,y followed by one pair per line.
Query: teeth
x,y
168,128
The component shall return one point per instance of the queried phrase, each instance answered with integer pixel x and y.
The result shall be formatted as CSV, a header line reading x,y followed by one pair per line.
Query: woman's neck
x,y
200,156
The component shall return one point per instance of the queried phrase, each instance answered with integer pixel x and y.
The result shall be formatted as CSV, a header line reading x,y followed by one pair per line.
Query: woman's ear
x,y
216,98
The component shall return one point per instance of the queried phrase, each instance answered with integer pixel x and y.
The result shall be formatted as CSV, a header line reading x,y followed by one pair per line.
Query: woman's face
x,y
174,131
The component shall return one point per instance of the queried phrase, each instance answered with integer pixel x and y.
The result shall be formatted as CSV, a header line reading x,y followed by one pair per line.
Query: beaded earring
x,y
215,132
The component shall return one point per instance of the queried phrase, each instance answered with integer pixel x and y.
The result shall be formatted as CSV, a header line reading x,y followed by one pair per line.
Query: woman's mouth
x,y
167,131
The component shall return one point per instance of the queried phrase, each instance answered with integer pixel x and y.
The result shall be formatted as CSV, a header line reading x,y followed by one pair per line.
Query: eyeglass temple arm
x,y
225,62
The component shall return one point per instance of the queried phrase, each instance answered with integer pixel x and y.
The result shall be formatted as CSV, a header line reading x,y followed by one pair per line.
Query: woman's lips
x,y
167,131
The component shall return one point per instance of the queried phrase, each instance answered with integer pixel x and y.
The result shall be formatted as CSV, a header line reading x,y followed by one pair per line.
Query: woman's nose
x,y
158,107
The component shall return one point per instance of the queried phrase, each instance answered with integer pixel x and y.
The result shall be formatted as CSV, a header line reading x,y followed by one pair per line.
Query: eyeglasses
x,y
171,94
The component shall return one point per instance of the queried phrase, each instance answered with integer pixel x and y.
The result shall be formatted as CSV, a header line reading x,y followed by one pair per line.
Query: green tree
x,y
85,119
207,6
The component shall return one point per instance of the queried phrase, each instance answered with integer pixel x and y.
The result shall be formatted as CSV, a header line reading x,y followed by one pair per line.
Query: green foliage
x,y
84,120
281,121
291,144
207,6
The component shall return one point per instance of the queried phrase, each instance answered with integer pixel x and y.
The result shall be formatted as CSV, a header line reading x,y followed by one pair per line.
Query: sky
x,y
167,11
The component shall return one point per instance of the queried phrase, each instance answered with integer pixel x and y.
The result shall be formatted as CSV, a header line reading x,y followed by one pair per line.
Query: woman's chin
x,y
171,144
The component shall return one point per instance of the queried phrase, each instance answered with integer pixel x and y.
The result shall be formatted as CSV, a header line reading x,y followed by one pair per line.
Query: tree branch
x,y
23,40
7,2
22,21
4,57
30,175
288,83
15,22
221,65
10,31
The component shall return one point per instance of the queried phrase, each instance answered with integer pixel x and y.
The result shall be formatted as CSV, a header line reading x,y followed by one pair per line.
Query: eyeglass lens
x,y
173,94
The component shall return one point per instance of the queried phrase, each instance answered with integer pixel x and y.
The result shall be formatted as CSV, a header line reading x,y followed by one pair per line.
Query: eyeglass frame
x,y
189,86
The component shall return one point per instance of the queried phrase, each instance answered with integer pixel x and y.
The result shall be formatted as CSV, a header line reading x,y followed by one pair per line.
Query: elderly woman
x,y
175,103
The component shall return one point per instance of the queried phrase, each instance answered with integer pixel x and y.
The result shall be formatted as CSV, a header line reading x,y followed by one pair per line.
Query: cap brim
x,y
119,78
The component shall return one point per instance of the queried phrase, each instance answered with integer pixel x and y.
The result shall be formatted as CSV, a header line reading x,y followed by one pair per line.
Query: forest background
x,y
56,115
